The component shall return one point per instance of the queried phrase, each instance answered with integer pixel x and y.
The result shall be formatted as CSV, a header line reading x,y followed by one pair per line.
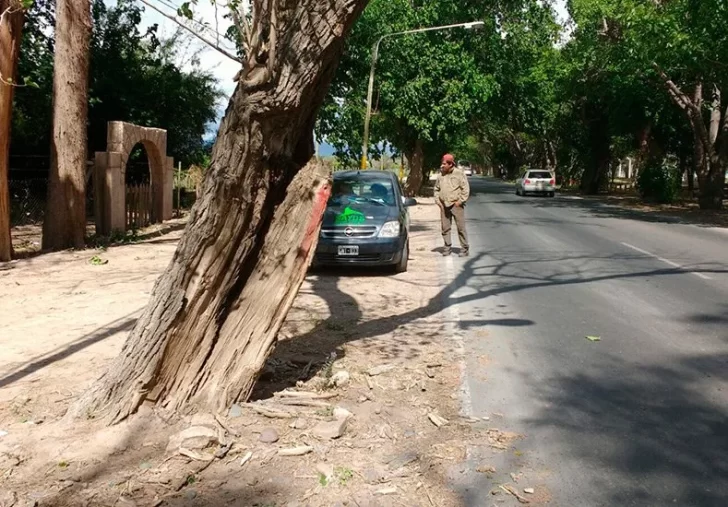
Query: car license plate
x,y
348,251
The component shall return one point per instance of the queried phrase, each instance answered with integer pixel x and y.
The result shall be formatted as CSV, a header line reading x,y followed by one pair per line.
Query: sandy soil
x,y
63,317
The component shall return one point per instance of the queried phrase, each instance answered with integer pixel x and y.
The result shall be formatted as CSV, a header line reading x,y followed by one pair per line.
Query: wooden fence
x,y
138,206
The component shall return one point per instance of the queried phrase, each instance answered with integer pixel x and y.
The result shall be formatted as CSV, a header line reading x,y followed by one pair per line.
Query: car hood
x,y
352,214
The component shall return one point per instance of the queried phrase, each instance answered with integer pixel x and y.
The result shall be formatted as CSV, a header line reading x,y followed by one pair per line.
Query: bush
x,y
659,182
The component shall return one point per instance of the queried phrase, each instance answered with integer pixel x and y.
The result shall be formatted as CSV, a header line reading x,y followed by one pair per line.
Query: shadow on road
x,y
480,277
648,426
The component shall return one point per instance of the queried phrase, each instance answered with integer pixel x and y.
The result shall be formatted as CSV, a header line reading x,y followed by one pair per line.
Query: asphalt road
x,y
638,418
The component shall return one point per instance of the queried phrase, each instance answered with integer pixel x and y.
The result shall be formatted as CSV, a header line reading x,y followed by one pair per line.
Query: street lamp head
x,y
475,25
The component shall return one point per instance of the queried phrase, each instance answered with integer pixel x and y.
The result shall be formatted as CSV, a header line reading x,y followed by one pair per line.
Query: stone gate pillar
x,y
168,197
110,192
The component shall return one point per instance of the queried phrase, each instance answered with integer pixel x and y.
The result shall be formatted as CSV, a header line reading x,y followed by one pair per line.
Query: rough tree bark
x,y
11,26
710,141
416,177
64,224
215,313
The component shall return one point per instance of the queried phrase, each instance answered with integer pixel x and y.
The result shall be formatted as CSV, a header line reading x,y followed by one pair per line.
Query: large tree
x,y
214,314
11,25
64,225
634,50
686,42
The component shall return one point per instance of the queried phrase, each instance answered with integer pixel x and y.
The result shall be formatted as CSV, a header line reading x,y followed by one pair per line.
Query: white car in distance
x,y
536,181
464,166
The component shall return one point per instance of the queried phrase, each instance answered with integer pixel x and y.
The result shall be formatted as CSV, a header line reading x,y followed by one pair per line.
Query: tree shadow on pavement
x,y
480,277
651,428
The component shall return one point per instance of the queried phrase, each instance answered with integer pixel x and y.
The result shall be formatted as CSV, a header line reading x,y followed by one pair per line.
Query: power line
x,y
214,45
174,7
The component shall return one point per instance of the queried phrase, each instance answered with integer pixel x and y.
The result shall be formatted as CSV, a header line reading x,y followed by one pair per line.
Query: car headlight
x,y
389,230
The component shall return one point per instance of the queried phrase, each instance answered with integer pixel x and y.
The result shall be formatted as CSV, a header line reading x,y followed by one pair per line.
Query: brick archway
x,y
110,175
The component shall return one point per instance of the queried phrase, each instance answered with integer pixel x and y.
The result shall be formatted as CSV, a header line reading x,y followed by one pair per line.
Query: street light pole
x,y
473,25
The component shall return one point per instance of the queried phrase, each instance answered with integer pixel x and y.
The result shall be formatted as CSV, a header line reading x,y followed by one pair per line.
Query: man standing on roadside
x,y
452,191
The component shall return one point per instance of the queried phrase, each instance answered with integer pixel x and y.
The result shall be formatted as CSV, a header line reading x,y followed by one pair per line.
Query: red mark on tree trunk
x,y
317,214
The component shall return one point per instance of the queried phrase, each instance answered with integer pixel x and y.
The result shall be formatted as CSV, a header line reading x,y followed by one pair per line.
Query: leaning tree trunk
x,y
64,223
215,313
417,167
11,26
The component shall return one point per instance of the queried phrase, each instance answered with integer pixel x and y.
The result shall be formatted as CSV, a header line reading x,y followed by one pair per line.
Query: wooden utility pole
x,y
11,26
64,224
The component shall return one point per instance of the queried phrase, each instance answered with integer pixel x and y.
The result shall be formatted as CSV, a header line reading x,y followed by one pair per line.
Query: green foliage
x,y
518,95
135,77
489,96
659,182
98,261
323,480
428,86
344,475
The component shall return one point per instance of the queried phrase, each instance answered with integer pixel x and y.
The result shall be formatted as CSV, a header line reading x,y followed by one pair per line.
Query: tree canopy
x,y
135,76
634,78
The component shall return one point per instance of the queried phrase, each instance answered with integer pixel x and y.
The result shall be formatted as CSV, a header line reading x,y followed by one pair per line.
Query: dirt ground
x,y
65,315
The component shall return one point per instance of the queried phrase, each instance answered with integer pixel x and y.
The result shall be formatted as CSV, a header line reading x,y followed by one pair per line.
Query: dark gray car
x,y
366,222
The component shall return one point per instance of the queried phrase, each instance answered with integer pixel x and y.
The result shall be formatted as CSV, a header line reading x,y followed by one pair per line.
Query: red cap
x,y
448,158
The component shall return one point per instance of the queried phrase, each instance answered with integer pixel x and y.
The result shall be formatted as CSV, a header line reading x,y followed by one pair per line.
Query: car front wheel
x,y
401,266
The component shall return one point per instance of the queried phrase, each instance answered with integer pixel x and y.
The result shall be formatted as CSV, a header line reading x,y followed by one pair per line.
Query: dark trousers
x,y
446,216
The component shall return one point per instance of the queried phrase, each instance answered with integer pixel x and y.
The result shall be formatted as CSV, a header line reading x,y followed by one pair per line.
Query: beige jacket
x,y
452,187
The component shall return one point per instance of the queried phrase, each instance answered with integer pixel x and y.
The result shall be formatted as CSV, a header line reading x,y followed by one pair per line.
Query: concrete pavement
x,y
638,418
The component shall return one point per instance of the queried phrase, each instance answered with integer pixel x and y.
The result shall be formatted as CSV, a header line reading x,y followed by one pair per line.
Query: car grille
x,y
325,257
362,231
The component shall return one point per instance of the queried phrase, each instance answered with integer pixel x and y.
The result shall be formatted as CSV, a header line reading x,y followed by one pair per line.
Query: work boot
x,y
464,253
447,252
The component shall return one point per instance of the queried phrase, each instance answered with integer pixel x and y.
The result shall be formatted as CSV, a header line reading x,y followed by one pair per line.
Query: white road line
x,y
666,261
452,316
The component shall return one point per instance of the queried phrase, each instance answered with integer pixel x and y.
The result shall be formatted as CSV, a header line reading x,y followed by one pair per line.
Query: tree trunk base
x,y
416,175
202,359
711,201
711,184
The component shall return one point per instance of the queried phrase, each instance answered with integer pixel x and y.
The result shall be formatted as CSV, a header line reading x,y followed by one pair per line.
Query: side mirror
x,y
410,202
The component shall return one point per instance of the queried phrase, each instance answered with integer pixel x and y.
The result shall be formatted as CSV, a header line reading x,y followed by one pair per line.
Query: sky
x,y
222,67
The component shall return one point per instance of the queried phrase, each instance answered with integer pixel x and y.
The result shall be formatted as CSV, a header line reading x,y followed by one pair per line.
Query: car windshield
x,y
540,175
376,191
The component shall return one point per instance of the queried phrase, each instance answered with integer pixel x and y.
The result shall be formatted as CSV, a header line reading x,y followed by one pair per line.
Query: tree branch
x,y
10,10
715,115
675,92
243,28
692,109
203,39
13,9
272,37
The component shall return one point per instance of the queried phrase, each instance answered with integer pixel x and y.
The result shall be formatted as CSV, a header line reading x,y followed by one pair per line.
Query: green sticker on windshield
x,y
350,216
